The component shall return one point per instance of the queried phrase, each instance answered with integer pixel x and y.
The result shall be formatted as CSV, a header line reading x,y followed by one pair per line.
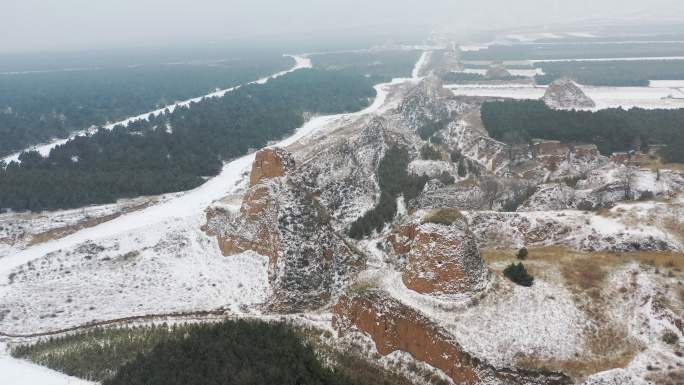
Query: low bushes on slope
x,y
394,180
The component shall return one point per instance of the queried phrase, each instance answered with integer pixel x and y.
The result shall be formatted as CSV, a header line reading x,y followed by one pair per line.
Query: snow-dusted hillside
x,y
269,235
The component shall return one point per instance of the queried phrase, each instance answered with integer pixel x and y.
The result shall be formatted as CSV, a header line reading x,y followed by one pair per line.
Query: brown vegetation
x,y
444,216
62,232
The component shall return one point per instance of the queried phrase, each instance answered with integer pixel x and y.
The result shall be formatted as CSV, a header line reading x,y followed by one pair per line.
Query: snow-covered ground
x,y
44,149
49,71
661,95
502,322
18,230
421,64
20,372
667,84
610,59
154,260
514,72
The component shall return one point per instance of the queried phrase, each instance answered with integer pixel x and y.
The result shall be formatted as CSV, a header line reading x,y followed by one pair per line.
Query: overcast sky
x,y
27,25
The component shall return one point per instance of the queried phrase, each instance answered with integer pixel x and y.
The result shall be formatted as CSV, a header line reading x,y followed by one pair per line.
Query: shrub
x,y
428,152
431,128
518,274
462,171
522,253
446,178
456,156
670,338
444,216
646,196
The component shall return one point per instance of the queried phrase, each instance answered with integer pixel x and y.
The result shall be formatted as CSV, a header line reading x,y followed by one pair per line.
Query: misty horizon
x,y
34,25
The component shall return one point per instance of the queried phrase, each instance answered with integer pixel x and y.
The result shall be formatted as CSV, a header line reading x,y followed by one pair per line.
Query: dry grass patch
x,y
584,274
657,164
564,257
443,216
617,353
64,231
469,182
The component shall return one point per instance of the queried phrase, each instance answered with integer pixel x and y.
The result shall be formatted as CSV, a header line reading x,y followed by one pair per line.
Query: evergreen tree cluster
x,y
518,274
429,152
612,130
394,180
385,65
35,107
563,50
96,354
619,73
458,77
427,130
229,353
176,151
243,352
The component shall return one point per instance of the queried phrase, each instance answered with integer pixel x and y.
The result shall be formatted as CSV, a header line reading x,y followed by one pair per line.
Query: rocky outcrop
x,y
308,261
424,105
394,326
436,195
442,259
566,94
445,61
497,71
587,232
341,171
270,163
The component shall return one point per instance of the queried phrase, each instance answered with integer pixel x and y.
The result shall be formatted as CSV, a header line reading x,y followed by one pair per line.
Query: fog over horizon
x,y
52,25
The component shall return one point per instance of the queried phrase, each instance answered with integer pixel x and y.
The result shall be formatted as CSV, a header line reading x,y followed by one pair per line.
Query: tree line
x,y
241,352
36,107
177,151
619,73
574,51
612,130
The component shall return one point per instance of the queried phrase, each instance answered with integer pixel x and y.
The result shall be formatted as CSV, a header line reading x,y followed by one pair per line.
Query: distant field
x,y
612,73
386,64
563,50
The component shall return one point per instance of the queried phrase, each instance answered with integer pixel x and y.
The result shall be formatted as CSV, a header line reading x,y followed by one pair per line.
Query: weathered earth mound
x,y
442,255
394,326
270,163
497,71
566,94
